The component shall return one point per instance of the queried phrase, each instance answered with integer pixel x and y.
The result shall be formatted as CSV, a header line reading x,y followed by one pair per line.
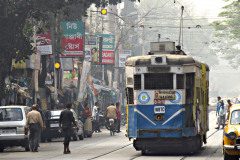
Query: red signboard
x,y
43,39
72,47
43,43
108,57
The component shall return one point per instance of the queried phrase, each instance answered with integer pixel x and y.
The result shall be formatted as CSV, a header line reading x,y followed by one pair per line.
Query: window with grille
x,y
190,88
137,82
180,81
158,81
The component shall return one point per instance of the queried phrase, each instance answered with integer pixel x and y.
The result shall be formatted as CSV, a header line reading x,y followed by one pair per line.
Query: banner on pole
x,y
72,40
108,56
43,44
83,81
91,50
123,57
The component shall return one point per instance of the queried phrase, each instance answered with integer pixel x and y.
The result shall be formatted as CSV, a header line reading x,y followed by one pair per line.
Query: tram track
x,y
137,156
184,157
118,149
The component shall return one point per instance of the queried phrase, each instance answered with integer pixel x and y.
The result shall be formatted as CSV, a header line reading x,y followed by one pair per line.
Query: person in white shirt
x,y
95,115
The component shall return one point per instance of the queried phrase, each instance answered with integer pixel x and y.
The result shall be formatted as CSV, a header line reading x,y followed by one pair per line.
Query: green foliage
x,y
231,22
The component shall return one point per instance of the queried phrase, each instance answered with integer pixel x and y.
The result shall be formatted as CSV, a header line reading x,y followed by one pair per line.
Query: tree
x,y
230,23
228,32
14,17
13,42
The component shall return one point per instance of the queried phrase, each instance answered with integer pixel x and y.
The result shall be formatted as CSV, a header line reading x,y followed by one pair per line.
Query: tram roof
x,y
172,59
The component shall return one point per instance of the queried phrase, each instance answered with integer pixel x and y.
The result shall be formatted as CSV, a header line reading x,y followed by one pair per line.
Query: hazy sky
x,y
209,8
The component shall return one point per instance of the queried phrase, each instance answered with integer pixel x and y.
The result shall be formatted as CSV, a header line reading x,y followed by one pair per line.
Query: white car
x,y
12,127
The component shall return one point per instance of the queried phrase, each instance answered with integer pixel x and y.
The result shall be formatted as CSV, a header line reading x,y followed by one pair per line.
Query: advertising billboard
x,y
108,46
123,57
43,44
73,38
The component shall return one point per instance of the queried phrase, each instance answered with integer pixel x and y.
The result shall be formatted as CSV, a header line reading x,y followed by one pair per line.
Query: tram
x,y
167,100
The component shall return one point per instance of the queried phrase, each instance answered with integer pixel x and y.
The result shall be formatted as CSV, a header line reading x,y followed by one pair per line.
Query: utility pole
x,y
52,28
35,71
101,53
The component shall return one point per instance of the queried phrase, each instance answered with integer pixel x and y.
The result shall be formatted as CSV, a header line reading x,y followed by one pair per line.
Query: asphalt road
x,y
102,146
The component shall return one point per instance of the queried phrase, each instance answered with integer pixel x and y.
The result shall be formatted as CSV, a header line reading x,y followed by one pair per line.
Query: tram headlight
x,y
159,117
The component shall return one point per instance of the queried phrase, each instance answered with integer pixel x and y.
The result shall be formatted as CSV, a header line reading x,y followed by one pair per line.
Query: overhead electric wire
x,y
185,19
192,20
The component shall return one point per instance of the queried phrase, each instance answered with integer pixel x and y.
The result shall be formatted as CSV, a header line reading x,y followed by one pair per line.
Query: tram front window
x,y
158,81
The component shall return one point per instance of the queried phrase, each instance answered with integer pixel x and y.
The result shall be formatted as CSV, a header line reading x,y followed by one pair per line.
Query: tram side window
x,y
180,81
189,88
189,99
137,82
129,94
158,81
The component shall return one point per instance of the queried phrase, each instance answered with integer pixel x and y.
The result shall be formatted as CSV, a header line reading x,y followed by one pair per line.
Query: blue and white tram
x,y
167,102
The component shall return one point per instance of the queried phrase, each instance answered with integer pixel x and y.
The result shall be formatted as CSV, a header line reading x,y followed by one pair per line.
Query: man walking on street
x,y
118,111
66,120
220,113
34,123
228,107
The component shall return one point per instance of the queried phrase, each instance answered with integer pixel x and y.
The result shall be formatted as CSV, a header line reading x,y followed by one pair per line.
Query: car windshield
x,y
235,118
11,114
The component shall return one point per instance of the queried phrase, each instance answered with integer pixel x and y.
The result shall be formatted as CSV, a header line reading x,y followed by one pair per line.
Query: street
x,y
102,146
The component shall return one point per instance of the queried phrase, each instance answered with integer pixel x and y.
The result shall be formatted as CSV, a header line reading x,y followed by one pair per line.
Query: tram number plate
x,y
159,109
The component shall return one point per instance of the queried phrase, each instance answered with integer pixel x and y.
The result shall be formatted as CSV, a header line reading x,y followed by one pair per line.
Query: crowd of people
x,y
221,111
35,122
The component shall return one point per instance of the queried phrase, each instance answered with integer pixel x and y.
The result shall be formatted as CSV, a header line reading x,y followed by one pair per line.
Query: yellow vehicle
x,y
231,134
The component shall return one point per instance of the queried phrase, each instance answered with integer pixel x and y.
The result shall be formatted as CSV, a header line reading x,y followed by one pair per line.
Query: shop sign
x,y
72,40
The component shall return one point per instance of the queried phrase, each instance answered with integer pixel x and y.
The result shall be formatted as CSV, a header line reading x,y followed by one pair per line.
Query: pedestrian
x,y
39,109
95,115
219,105
220,113
228,107
35,124
66,122
118,112
87,114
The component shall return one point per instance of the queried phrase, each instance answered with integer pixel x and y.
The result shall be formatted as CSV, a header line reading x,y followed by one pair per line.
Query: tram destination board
x,y
165,95
158,69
